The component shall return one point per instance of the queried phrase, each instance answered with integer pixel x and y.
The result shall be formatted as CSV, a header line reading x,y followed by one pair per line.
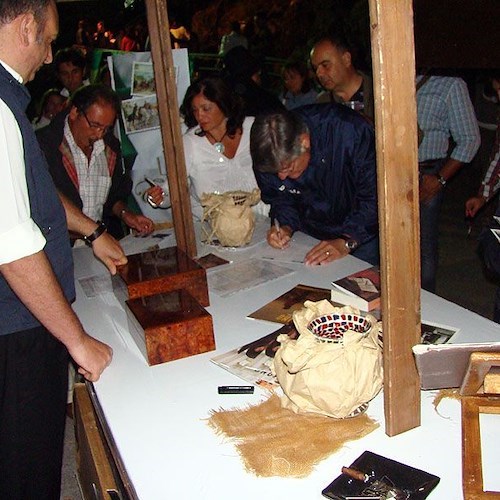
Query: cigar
x,y
355,474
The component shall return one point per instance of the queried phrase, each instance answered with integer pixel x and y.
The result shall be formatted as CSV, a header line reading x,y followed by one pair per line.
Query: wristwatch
x,y
92,237
441,180
351,244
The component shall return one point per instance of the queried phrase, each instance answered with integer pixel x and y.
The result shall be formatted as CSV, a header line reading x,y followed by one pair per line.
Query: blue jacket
x,y
337,194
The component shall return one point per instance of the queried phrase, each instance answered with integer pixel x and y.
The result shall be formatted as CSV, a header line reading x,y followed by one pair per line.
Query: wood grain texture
x,y
168,107
397,162
480,365
472,464
492,381
95,474
174,325
164,270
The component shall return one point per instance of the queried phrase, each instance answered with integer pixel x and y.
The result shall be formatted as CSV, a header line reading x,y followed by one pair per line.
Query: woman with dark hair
x,y
216,144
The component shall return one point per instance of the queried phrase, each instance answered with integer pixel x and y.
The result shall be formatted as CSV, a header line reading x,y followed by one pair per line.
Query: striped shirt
x,y
445,112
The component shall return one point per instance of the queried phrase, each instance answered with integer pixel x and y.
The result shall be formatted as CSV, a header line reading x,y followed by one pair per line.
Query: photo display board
x,y
132,77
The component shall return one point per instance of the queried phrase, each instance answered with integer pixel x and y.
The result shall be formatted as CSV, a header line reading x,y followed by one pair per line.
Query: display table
x,y
157,415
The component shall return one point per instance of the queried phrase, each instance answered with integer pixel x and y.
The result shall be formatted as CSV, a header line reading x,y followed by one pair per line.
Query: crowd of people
x,y
131,37
310,150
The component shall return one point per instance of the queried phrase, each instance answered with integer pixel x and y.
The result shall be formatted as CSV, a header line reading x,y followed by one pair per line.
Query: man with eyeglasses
x,y
315,166
85,161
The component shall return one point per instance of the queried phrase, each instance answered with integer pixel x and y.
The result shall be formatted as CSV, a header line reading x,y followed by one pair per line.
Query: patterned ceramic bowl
x,y
331,327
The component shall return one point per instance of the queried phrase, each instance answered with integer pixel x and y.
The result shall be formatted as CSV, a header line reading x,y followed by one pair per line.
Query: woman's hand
x,y
155,194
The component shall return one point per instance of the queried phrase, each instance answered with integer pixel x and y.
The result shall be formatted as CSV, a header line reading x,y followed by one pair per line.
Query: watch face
x,y
351,244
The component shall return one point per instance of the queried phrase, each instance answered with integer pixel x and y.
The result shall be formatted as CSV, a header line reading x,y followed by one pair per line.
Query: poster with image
x,y
143,79
140,114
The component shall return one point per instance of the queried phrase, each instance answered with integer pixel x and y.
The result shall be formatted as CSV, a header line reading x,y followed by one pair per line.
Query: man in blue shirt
x,y
315,166
451,138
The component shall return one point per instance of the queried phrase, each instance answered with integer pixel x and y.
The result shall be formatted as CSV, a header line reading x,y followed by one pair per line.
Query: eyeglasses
x,y
104,129
294,164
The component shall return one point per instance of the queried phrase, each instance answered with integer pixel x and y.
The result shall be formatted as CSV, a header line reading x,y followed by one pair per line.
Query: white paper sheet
x,y
245,274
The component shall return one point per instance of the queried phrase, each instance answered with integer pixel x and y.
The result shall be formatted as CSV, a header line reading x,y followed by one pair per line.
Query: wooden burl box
x,y
169,326
164,270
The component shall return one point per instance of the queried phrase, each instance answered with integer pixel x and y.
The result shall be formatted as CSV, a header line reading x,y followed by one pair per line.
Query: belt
x,y
430,163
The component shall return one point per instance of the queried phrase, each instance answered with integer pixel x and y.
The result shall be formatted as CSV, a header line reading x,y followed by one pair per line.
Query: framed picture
x,y
140,114
433,333
143,80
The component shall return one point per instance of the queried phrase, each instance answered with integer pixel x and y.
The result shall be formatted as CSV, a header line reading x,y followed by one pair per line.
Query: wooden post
x,y
393,59
168,107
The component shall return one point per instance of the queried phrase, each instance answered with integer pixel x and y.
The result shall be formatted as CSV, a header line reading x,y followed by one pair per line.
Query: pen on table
x,y
235,389
160,235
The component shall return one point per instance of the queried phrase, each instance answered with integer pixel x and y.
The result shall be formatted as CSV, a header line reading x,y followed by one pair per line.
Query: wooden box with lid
x,y
164,270
169,326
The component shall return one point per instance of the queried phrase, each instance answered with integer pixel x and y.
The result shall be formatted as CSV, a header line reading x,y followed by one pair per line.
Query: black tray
x,y
407,482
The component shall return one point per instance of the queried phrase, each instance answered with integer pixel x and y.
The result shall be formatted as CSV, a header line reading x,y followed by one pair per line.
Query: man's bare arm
x,y
105,247
33,281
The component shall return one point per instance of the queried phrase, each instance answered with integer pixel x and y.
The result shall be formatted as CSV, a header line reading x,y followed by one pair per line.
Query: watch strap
x,y
92,237
351,244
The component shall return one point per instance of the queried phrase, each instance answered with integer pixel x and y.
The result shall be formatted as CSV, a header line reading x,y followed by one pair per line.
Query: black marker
x,y
235,389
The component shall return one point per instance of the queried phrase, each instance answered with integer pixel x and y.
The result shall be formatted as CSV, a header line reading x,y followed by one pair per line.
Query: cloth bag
x,y
336,379
228,217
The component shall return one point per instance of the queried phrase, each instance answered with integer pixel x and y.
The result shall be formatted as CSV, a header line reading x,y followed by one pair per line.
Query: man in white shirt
x,y
38,328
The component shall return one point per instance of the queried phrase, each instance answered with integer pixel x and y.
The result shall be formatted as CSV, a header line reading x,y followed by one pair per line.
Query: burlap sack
x,y
228,217
333,379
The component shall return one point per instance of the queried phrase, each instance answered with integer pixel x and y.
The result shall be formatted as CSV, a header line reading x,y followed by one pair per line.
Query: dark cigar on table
x,y
355,474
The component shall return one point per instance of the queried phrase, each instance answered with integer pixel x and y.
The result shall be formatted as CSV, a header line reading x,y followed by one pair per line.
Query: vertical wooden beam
x,y
393,59
168,107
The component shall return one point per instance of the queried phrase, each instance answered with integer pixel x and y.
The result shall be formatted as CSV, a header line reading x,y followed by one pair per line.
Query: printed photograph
x,y
140,114
433,333
281,309
143,79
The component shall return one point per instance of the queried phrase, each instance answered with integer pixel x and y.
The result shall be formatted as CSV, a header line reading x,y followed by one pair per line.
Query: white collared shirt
x,y
19,235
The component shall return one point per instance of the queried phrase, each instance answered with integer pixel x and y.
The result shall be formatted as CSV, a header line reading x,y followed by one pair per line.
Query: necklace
x,y
218,144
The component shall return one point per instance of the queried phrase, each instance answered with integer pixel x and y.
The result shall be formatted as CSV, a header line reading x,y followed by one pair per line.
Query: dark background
x,y
448,33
